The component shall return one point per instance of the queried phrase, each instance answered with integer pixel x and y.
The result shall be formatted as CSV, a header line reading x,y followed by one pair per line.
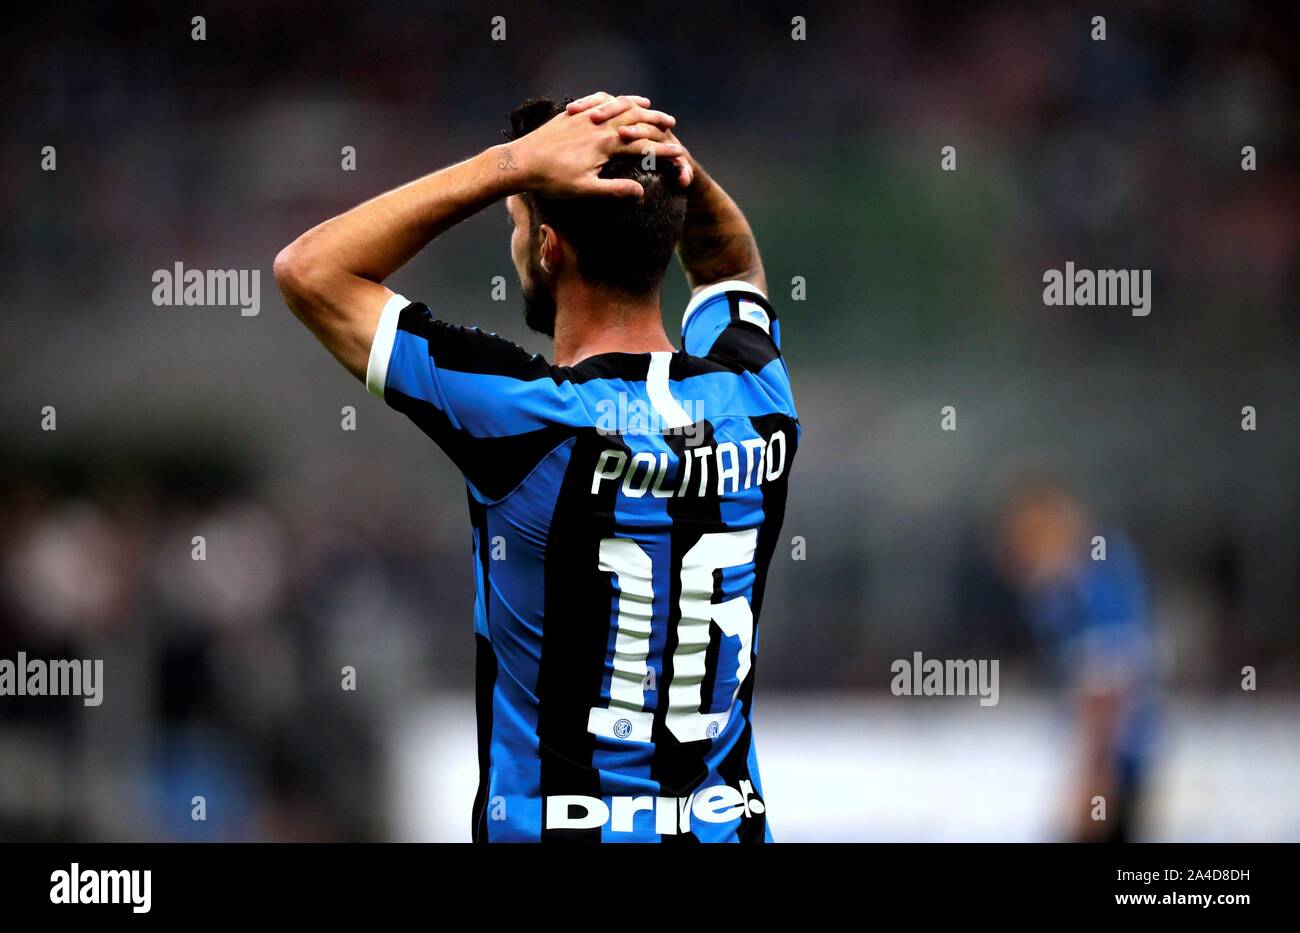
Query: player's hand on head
x,y
591,101
634,120
626,110
563,157
649,132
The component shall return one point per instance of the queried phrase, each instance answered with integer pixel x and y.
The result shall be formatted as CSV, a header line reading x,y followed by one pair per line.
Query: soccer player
x,y
625,498
1090,619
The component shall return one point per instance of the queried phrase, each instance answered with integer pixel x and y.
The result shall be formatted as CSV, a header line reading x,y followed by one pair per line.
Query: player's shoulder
x,y
720,387
469,348
734,323
739,299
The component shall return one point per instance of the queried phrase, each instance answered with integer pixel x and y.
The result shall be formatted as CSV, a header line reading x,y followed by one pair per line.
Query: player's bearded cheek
x,y
539,304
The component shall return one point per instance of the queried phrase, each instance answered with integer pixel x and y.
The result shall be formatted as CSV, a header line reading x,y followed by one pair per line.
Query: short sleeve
x,y
734,323
492,406
1115,641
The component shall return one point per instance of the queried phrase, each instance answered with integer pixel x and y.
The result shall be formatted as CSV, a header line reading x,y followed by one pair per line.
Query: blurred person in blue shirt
x,y
1083,594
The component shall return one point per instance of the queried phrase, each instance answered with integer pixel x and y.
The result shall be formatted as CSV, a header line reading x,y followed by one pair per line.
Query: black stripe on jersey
x,y
774,496
743,345
579,602
478,516
684,366
495,465
471,350
632,367
635,367
735,767
679,767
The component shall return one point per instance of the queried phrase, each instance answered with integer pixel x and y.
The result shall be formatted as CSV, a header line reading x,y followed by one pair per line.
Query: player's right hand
x,y
602,107
563,157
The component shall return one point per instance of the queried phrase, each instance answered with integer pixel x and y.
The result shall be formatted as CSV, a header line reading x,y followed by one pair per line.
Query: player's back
x,y
625,511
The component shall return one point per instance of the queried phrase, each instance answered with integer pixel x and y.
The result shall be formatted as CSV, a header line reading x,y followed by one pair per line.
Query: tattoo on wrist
x,y
507,162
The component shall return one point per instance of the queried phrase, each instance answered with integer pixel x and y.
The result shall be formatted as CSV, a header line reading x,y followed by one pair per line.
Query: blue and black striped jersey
x,y
624,511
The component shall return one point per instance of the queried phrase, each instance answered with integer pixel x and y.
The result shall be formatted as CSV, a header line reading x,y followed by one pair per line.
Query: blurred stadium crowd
x,y
328,547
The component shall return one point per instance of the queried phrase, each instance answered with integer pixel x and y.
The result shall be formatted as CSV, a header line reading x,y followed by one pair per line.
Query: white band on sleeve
x,y
381,348
710,291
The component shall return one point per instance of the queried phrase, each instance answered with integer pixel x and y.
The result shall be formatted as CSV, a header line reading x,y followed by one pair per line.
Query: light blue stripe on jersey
x,y
411,371
521,523
724,393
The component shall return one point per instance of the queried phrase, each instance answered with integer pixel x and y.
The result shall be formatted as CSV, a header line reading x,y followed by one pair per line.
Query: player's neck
x,y
590,321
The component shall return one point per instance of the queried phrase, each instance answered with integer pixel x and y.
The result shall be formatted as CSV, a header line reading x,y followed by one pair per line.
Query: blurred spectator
x,y
1084,595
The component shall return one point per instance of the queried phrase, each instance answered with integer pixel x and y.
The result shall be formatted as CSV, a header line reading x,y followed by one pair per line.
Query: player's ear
x,y
550,250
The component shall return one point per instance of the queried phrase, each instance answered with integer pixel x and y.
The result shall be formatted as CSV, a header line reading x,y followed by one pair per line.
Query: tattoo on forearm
x,y
507,162
713,248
